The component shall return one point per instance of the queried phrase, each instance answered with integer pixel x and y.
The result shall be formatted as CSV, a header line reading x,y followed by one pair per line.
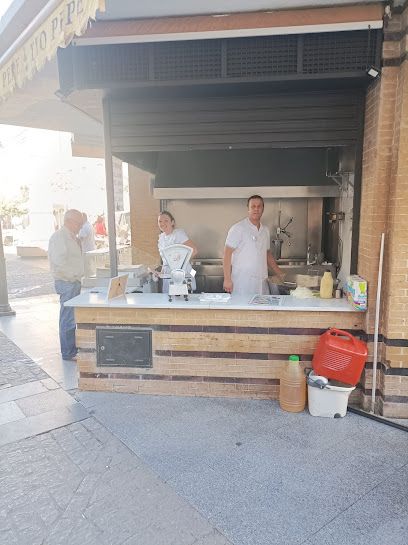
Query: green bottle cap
x,y
294,358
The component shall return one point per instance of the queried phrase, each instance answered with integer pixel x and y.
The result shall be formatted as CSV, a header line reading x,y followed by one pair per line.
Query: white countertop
x,y
87,299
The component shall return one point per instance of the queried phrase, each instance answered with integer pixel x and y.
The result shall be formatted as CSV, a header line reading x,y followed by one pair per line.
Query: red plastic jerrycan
x,y
340,356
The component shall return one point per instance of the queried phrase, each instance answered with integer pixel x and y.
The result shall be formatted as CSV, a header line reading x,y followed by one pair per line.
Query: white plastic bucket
x,y
330,401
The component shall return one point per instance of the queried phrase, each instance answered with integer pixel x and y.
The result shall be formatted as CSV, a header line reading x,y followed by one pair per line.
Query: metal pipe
x,y
5,309
376,324
110,190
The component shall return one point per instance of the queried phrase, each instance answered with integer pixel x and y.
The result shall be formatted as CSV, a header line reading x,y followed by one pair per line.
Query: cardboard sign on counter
x,y
117,286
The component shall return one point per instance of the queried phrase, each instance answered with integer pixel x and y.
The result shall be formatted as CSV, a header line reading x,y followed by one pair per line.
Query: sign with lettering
x,y
69,19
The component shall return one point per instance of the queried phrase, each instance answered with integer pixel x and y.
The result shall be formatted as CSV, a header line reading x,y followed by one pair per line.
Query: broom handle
x,y
376,323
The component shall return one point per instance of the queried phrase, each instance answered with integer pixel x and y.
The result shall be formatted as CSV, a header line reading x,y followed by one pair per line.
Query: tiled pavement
x,y
141,470
65,479
30,401
15,367
79,485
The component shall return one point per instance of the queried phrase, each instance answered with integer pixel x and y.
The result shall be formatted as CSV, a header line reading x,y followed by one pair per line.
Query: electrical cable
x,y
377,418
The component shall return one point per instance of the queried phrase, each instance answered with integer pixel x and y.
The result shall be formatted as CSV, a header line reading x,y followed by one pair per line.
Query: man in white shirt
x,y
86,235
247,254
67,268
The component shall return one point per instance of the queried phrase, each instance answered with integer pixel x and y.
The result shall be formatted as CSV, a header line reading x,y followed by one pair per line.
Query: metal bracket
x,y
342,180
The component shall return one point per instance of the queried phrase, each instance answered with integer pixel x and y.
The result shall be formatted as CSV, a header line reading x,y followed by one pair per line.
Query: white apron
x,y
249,260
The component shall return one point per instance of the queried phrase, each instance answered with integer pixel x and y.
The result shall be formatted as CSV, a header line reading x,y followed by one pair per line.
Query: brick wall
x,y
207,352
384,208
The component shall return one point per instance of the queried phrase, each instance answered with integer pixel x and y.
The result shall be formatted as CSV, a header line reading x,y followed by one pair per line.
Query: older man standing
x,y
247,254
67,268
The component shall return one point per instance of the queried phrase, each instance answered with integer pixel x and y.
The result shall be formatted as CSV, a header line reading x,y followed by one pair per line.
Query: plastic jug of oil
x,y
292,392
326,285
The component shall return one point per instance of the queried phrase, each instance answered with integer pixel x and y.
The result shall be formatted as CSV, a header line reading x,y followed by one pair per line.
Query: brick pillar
x,y
384,208
143,219
395,306
377,163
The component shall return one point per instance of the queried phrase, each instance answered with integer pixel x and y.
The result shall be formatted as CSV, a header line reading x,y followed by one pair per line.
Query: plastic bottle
x,y
292,394
326,285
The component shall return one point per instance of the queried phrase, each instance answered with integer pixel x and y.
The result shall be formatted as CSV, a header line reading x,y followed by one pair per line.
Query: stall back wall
x,y
207,222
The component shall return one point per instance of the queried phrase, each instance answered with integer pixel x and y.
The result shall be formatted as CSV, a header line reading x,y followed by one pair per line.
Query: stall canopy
x,y
55,26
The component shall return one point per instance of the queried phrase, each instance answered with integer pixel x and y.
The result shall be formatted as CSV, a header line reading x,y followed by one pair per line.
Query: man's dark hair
x,y
255,197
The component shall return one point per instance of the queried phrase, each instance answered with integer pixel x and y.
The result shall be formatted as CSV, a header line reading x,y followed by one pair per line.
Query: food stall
x,y
207,111
208,142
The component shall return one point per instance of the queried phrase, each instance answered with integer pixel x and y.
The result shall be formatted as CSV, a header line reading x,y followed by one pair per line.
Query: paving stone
x,y
15,367
50,384
78,532
50,500
117,521
49,400
8,537
41,423
10,412
24,390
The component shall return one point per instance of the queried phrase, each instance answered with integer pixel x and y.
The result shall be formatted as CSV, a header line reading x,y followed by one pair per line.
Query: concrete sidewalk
x,y
141,470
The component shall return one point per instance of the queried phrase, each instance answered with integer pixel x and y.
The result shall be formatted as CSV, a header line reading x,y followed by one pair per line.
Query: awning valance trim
x,y
232,25
239,33
55,26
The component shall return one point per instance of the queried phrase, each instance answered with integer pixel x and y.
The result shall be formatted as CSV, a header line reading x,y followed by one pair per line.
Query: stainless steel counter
x,y
210,274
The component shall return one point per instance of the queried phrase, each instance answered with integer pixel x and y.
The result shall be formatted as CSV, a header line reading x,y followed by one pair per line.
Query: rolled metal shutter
x,y
301,119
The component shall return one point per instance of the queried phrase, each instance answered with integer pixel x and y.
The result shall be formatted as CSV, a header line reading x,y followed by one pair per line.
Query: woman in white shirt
x,y
171,235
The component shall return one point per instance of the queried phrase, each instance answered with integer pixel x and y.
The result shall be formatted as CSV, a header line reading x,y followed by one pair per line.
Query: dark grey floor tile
x,y
380,517
214,538
265,517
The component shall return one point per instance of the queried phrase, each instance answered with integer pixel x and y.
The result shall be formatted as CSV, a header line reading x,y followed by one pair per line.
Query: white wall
x,y
43,161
